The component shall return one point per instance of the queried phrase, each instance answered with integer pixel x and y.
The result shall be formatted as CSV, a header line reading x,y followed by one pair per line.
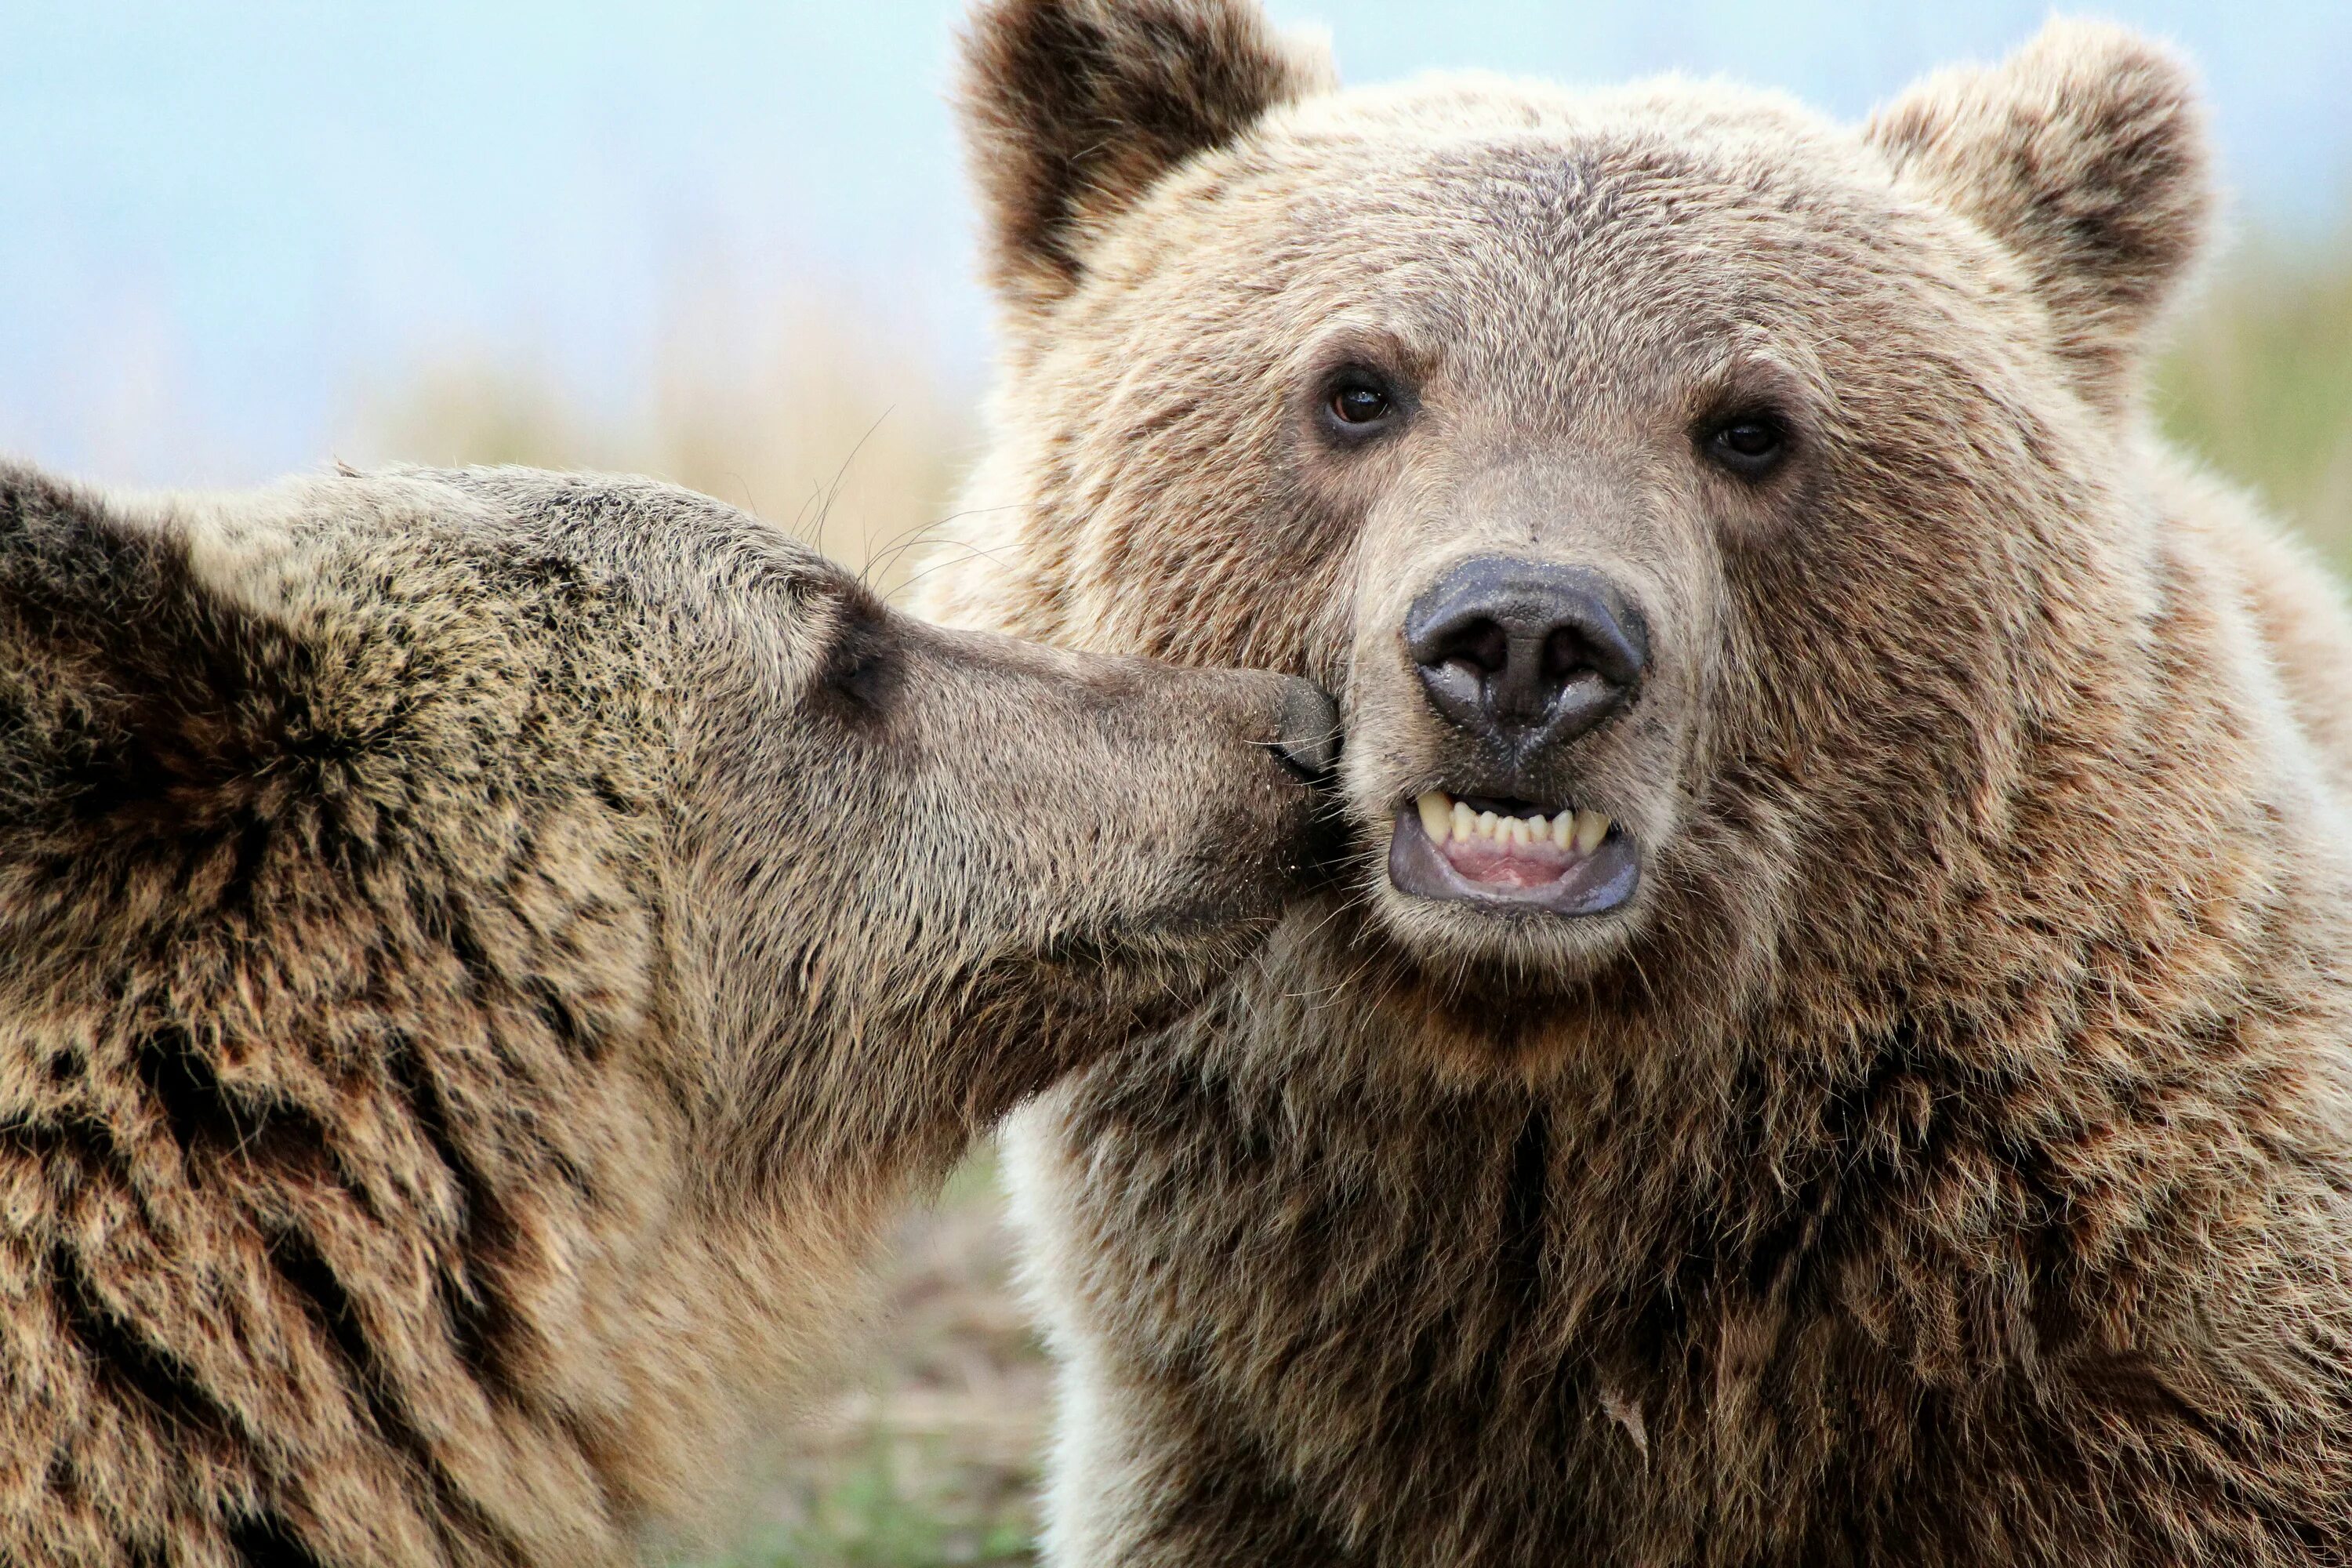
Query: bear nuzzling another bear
x,y
487,955
1836,1049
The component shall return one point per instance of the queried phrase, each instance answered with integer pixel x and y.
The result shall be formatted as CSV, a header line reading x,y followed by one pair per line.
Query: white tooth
x,y
1564,829
1591,828
1436,815
1489,826
1466,821
1538,829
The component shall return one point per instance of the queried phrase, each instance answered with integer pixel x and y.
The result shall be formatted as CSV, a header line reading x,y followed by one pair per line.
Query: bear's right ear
x,y
2085,153
1073,109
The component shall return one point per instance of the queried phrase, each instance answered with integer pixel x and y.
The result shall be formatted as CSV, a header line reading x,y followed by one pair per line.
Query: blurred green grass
x,y
815,415
2258,382
887,1510
930,1457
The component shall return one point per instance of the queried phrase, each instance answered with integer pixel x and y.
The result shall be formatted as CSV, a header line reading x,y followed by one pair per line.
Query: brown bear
x,y
1835,1048
486,954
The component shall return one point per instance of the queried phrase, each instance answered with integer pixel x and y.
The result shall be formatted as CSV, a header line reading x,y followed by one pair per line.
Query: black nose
x,y
1526,651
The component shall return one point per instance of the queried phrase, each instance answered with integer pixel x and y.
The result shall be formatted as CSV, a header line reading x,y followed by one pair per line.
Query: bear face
x,y
489,952
1620,457
994,858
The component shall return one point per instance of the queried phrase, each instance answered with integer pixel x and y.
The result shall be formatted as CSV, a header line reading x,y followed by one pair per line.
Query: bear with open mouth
x,y
1835,1045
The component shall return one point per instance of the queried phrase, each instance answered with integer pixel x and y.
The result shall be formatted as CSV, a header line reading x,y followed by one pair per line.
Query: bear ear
x,y
1073,109
2085,155
129,691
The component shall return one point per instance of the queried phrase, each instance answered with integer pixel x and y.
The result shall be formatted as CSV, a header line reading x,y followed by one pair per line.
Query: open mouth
x,y
1512,854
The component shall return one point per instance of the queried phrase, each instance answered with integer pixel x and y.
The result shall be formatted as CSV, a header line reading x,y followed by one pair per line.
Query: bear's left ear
x,y
1074,108
2085,153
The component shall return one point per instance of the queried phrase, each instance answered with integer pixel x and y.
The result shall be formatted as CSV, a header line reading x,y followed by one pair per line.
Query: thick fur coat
x,y
1944,1154
486,954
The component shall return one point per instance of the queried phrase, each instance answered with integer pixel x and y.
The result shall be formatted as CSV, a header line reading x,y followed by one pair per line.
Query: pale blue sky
x,y
226,219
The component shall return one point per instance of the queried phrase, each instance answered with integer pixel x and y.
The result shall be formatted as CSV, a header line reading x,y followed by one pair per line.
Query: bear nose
x,y
1530,652
1306,731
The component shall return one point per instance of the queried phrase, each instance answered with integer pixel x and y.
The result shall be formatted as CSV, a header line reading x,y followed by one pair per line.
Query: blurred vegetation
x,y
2259,384
808,410
814,414
931,1457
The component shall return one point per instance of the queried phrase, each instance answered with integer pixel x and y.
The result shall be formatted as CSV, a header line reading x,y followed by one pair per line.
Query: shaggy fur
x,y
1946,1157
487,954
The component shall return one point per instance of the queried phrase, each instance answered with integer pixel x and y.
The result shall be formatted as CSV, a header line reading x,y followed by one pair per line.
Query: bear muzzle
x,y
1521,659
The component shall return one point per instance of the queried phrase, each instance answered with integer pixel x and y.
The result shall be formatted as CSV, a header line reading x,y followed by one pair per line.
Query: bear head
x,y
1702,506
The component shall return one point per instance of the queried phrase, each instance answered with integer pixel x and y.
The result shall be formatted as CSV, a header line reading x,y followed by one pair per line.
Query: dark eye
x,y
1359,403
862,669
1749,445
861,678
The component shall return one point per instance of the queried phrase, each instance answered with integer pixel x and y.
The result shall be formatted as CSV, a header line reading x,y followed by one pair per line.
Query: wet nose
x,y
1531,653
1306,731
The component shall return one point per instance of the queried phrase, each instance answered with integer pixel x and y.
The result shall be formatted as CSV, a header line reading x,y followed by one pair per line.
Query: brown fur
x,y
488,953
1946,1156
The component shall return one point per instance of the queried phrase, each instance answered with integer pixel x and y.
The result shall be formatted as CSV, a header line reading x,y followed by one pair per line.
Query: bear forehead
x,y
489,564
1459,195
1479,219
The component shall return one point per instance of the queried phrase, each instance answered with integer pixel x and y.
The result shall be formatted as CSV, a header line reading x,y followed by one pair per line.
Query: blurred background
x,y
727,242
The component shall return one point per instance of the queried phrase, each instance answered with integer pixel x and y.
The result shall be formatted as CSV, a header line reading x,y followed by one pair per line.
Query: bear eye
x,y
1749,445
1359,403
860,669
860,678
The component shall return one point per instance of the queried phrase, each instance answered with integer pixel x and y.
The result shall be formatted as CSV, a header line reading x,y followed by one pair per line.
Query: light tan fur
x,y
1946,1156
489,953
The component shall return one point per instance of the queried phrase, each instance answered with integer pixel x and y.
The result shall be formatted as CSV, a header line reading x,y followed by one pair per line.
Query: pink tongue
x,y
1506,864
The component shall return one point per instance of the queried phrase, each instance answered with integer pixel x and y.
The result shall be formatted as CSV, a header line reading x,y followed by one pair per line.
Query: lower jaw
x,y
1594,883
